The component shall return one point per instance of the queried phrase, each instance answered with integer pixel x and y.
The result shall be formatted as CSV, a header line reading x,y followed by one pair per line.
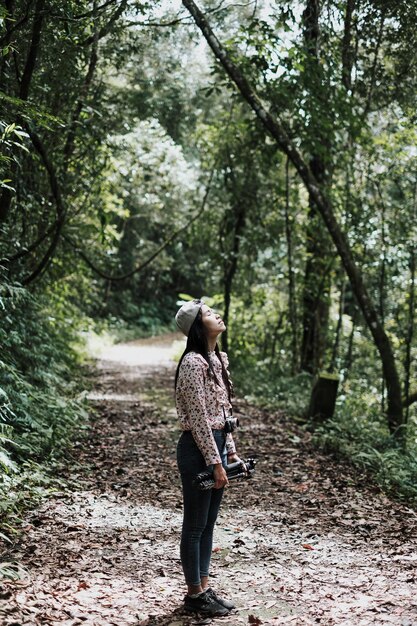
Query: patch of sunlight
x,y
102,513
114,397
154,351
136,355
97,343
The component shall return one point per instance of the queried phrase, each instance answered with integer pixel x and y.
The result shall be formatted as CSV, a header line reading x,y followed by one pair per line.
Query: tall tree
x,y
326,209
316,299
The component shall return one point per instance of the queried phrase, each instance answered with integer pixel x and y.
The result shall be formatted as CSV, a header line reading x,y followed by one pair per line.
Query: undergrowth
x,y
358,431
367,443
267,384
46,342
41,398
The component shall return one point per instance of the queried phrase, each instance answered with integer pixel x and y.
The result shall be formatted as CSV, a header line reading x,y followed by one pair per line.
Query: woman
x,y
203,393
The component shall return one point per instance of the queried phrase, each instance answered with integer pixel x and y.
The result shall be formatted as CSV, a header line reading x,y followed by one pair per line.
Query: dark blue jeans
x,y
200,507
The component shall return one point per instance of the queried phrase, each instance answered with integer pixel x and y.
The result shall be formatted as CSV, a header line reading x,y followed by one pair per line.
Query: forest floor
x,y
307,541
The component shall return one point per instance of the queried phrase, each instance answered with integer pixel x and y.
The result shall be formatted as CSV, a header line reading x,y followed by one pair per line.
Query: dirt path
x,y
308,541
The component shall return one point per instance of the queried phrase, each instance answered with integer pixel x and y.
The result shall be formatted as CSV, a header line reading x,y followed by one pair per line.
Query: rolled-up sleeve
x,y
191,394
230,444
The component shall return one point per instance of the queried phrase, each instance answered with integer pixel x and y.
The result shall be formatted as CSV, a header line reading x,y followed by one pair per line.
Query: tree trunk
x,y
316,278
347,52
231,267
33,50
382,277
325,208
316,290
278,327
7,194
349,356
292,300
338,328
410,329
323,397
59,203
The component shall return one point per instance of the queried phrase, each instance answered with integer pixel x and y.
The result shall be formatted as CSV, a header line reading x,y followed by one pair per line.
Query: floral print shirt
x,y
200,402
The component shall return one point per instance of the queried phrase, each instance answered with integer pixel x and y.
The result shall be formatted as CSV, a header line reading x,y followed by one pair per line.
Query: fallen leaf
x,y
83,585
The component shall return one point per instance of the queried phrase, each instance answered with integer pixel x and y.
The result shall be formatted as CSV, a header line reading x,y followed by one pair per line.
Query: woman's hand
x,y
220,476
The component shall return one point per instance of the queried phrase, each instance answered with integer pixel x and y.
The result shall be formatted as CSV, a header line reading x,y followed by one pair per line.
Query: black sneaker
x,y
204,604
226,603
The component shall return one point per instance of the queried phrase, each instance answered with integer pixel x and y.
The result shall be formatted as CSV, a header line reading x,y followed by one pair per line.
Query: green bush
x,y
40,401
268,384
365,439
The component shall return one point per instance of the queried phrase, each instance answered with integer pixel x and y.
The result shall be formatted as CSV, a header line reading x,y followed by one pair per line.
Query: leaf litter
x,y
308,541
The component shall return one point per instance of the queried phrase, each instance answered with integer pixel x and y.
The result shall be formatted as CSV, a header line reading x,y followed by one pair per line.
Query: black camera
x,y
230,424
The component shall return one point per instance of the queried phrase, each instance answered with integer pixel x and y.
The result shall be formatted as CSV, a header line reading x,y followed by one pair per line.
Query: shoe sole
x,y
207,613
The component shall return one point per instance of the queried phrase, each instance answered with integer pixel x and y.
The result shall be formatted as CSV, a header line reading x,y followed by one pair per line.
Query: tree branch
x,y
5,40
30,248
33,50
188,19
184,20
157,252
104,30
69,144
61,213
82,16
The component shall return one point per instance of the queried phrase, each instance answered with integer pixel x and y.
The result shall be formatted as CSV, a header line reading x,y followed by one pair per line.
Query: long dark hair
x,y
197,342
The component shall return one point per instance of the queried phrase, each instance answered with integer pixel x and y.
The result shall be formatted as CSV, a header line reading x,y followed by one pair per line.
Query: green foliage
x,y
149,320
365,440
268,384
40,402
10,570
11,137
130,131
25,489
260,350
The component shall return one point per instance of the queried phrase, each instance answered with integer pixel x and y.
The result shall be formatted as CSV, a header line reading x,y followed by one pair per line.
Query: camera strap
x,y
224,413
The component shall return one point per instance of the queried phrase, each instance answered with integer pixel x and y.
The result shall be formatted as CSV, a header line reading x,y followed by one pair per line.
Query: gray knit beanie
x,y
187,314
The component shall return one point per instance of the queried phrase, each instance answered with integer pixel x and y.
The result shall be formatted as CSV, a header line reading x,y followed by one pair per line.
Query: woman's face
x,y
212,321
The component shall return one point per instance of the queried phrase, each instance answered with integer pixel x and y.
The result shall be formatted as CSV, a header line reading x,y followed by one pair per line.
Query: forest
x,y
260,155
